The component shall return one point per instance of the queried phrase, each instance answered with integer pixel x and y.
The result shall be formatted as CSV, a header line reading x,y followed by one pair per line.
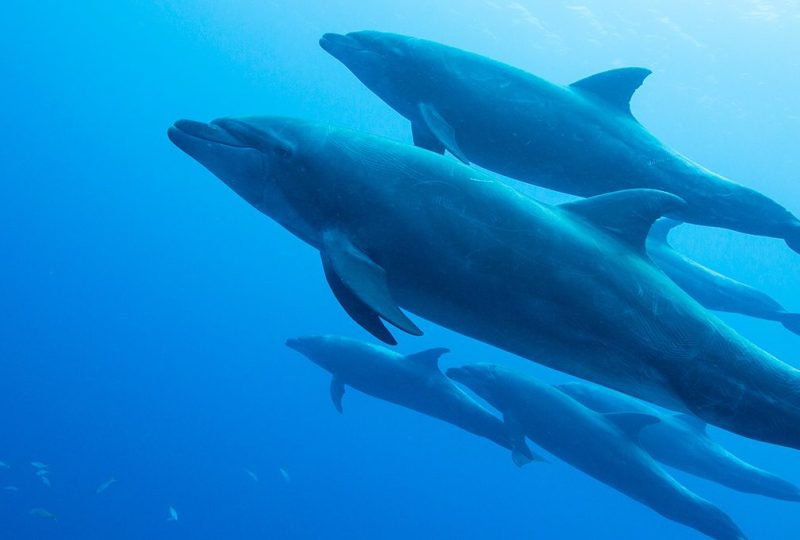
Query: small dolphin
x,y
45,480
38,465
173,514
4,465
43,514
568,286
413,381
105,485
680,441
11,488
580,139
42,472
285,475
712,289
251,474
602,446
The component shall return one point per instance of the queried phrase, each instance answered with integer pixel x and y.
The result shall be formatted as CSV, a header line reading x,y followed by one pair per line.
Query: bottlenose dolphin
x,y
413,381
602,446
567,286
579,139
681,441
712,289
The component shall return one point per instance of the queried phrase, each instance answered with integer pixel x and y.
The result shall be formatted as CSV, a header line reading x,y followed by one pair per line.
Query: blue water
x,y
144,306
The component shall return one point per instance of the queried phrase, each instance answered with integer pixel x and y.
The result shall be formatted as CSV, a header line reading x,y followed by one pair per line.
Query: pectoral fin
x,y
360,286
337,391
521,454
441,130
423,138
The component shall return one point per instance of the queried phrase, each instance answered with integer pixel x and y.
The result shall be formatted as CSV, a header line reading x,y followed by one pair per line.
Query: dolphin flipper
x,y
443,131
521,454
337,391
362,280
627,214
360,312
423,138
614,87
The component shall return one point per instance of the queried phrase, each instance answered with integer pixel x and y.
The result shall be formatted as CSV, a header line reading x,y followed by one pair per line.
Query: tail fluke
x,y
792,239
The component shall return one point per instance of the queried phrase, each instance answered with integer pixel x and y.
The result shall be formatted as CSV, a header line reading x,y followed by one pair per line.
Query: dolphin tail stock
x,y
792,238
791,321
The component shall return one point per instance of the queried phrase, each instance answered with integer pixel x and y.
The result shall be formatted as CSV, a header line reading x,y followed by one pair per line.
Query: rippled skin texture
x,y
480,258
683,444
522,126
593,444
390,376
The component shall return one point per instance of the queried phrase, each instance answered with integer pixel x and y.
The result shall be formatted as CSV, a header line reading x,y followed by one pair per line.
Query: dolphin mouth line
x,y
332,42
212,133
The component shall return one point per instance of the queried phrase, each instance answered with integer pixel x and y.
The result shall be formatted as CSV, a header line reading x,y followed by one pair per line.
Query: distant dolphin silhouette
x,y
413,381
680,441
712,289
579,139
568,286
601,445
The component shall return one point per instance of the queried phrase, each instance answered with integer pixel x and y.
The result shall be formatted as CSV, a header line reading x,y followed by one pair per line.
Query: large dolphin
x,y
568,286
681,441
413,381
712,289
579,139
602,446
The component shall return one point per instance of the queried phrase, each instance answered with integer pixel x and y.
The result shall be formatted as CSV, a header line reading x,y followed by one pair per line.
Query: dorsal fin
x,y
614,87
429,357
626,214
692,421
632,423
661,229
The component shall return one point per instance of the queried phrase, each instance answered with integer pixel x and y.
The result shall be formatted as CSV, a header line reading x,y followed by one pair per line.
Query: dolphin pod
x,y
579,139
681,441
712,289
602,446
567,286
413,381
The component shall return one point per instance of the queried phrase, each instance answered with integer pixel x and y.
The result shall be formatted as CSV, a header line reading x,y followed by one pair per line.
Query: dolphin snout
x,y
212,132
334,43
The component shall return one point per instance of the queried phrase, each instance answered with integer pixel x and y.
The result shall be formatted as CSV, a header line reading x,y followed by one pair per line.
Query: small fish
x,y
4,465
105,485
38,465
173,515
42,472
45,480
252,475
11,488
44,514
285,475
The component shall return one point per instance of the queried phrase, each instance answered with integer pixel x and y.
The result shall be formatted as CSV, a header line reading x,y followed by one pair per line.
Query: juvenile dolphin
x,y
712,289
602,446
413,381
579,139
567,286
680,441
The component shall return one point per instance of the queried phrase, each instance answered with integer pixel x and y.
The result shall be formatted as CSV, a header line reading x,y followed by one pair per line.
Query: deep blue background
x,y
144,306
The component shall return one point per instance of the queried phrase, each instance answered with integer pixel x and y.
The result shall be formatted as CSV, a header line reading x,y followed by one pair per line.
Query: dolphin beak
x,y
185,131
296,345
335,44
